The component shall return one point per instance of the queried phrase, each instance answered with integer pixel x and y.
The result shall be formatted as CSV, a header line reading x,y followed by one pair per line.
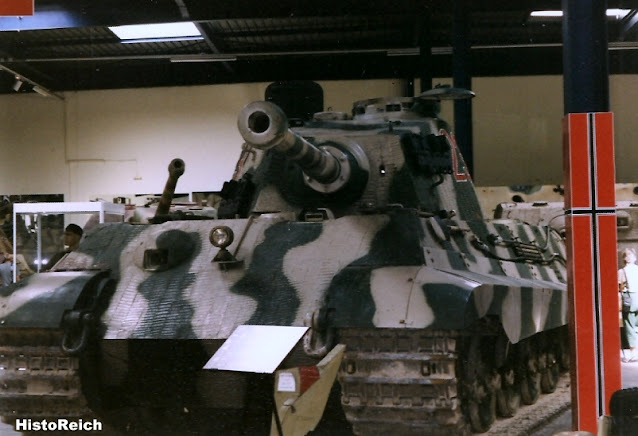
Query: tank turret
x,y
392,152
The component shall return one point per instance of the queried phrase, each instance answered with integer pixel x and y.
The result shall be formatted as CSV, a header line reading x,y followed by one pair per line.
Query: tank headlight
x,y
221,236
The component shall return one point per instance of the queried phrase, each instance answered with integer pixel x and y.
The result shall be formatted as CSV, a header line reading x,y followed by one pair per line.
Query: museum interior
x,y
412,226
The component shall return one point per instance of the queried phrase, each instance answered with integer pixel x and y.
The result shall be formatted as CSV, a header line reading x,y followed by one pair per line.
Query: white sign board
x,y
256,348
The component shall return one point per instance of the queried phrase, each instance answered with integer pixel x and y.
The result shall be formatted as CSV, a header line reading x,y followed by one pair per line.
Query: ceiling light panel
x,y
153,32
611,13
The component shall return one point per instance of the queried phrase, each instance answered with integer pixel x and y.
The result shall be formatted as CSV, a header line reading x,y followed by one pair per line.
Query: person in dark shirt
x,y
72,236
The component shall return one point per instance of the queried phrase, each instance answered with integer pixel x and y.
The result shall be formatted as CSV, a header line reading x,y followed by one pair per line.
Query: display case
x,y
55,208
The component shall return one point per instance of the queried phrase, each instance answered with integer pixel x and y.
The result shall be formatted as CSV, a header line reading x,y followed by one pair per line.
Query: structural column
x,y
425,52
589,177
592,265
462,77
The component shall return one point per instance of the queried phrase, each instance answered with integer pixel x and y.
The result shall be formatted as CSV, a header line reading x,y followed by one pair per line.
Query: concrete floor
x,y
563,422
7,430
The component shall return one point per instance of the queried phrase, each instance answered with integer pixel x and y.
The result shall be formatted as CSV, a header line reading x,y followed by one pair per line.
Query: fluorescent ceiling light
x,y
618,13
155,32
614,13
545,14
410,51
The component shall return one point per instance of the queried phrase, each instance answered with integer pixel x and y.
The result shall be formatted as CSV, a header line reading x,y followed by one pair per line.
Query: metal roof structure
x,y
67,44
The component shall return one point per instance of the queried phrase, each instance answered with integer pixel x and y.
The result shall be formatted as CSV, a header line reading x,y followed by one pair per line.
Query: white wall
x,y
32,145
518,130
121,141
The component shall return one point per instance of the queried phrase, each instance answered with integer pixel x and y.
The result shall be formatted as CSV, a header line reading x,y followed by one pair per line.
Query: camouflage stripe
x,y
168,314
265,281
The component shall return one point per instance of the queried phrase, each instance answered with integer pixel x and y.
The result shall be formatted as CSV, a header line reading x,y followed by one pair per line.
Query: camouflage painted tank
x,y
367,230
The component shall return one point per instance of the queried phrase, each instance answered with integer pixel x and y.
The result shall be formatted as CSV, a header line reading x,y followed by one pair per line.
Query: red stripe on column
x,y
16,7
592,282
578,162
583,324
608,291
605,173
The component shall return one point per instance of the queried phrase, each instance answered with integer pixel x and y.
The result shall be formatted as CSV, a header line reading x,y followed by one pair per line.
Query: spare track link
x,y
401,382
37,379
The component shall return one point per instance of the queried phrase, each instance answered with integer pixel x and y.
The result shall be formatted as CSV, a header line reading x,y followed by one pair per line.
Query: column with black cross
x,y
592,265
589,177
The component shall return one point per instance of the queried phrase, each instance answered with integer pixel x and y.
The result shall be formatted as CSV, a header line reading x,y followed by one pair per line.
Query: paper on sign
x,y
286,382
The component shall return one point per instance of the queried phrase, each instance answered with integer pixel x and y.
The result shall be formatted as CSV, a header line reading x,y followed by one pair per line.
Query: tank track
x,y
401,381
415,382
37,379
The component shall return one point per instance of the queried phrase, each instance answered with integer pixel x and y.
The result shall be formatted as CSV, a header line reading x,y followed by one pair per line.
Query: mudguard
x,y
425,297
40,301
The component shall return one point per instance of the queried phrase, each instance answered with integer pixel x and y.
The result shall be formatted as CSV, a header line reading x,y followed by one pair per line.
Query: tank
x,y
365,229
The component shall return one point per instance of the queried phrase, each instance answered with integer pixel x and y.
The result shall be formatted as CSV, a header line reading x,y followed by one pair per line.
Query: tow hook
x,y
77,325
79,322
320,338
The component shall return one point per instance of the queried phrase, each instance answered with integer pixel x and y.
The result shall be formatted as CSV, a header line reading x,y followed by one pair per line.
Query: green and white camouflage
x,y
365,229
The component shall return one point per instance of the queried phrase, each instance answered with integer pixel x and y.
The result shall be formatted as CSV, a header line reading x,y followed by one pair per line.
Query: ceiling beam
x,y
203,31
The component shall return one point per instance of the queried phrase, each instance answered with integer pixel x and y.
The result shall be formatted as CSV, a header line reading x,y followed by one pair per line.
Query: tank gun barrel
x,y
264,125
175,170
